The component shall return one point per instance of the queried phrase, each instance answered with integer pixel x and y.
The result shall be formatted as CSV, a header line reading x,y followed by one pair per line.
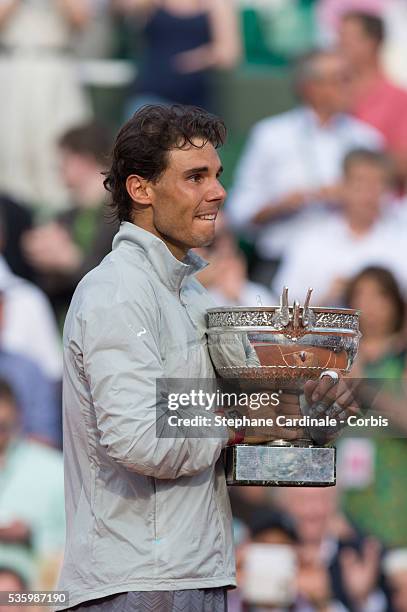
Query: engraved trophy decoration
x,y
281,347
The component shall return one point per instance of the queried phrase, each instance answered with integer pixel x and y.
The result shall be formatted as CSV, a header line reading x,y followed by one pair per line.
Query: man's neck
x,y
143,220
179,252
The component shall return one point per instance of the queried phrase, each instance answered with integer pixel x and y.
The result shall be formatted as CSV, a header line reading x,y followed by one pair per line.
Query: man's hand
x,y
360,571
51,249
328,396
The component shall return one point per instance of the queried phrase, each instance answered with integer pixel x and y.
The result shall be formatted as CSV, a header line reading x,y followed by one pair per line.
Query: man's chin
x,y
204,241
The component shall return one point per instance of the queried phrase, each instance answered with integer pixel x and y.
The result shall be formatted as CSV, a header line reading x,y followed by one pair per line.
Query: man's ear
x,y
138,189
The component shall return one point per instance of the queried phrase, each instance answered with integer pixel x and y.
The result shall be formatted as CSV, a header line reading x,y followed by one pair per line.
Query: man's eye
x,y
196,178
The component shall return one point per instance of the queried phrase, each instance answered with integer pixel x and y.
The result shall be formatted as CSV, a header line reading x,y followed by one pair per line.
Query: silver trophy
x,y
281,347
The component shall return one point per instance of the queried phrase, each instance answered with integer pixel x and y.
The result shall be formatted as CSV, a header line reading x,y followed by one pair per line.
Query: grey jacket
x,y
143,513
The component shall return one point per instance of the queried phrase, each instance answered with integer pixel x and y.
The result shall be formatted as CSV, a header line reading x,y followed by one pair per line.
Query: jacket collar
x,y
169,269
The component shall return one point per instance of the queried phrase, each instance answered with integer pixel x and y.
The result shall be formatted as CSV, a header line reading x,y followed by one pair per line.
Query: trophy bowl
x,y
281,347
282,344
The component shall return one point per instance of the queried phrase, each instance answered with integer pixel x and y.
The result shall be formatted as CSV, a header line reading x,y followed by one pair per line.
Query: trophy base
x,y
285,465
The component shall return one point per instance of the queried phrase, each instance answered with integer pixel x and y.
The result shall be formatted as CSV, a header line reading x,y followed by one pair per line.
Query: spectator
x,y
379,481
394,14
31,494
97,40
15,220
247,501
375,99
395,48
273,527
330,251
41,95
226,276
395,569
229,283
35,393
184,41
64,250
293,161
330,12
12,580
274,536
383,346
342,567
28,325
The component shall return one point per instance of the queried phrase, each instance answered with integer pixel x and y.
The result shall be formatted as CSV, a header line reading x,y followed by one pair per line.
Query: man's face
x,y
311,508
186,199
355,44
329,88
377,307
76,168
364,187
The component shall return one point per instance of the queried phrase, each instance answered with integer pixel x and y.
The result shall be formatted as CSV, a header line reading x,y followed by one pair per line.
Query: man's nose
x,y
217,192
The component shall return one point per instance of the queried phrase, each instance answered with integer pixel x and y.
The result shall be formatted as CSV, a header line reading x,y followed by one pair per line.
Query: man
x,y
64,250
148,517
31,496
336,568
375,99
11,580
363,232
395,569
292,162
28,324
42,95
35,393
15,220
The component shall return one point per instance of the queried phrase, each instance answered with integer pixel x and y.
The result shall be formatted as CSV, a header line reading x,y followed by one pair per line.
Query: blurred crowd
x,y
318,199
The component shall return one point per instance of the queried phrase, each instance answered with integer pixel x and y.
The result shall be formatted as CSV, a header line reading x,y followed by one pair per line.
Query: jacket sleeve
x,y
122,363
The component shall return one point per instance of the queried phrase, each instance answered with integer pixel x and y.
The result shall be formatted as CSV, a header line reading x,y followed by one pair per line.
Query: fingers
x,y
343,405
369,555
289,405
309,388
327,392
321,391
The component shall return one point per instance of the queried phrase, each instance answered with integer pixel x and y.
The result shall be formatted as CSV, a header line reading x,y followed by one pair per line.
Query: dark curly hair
x,y
143,144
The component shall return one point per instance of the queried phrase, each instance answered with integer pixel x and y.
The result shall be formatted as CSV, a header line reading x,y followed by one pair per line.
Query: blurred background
x,y
314,94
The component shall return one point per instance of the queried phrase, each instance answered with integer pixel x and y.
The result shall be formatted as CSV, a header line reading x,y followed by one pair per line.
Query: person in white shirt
x,y
365,232
292,161
226,278
41,96
29,327
229,285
